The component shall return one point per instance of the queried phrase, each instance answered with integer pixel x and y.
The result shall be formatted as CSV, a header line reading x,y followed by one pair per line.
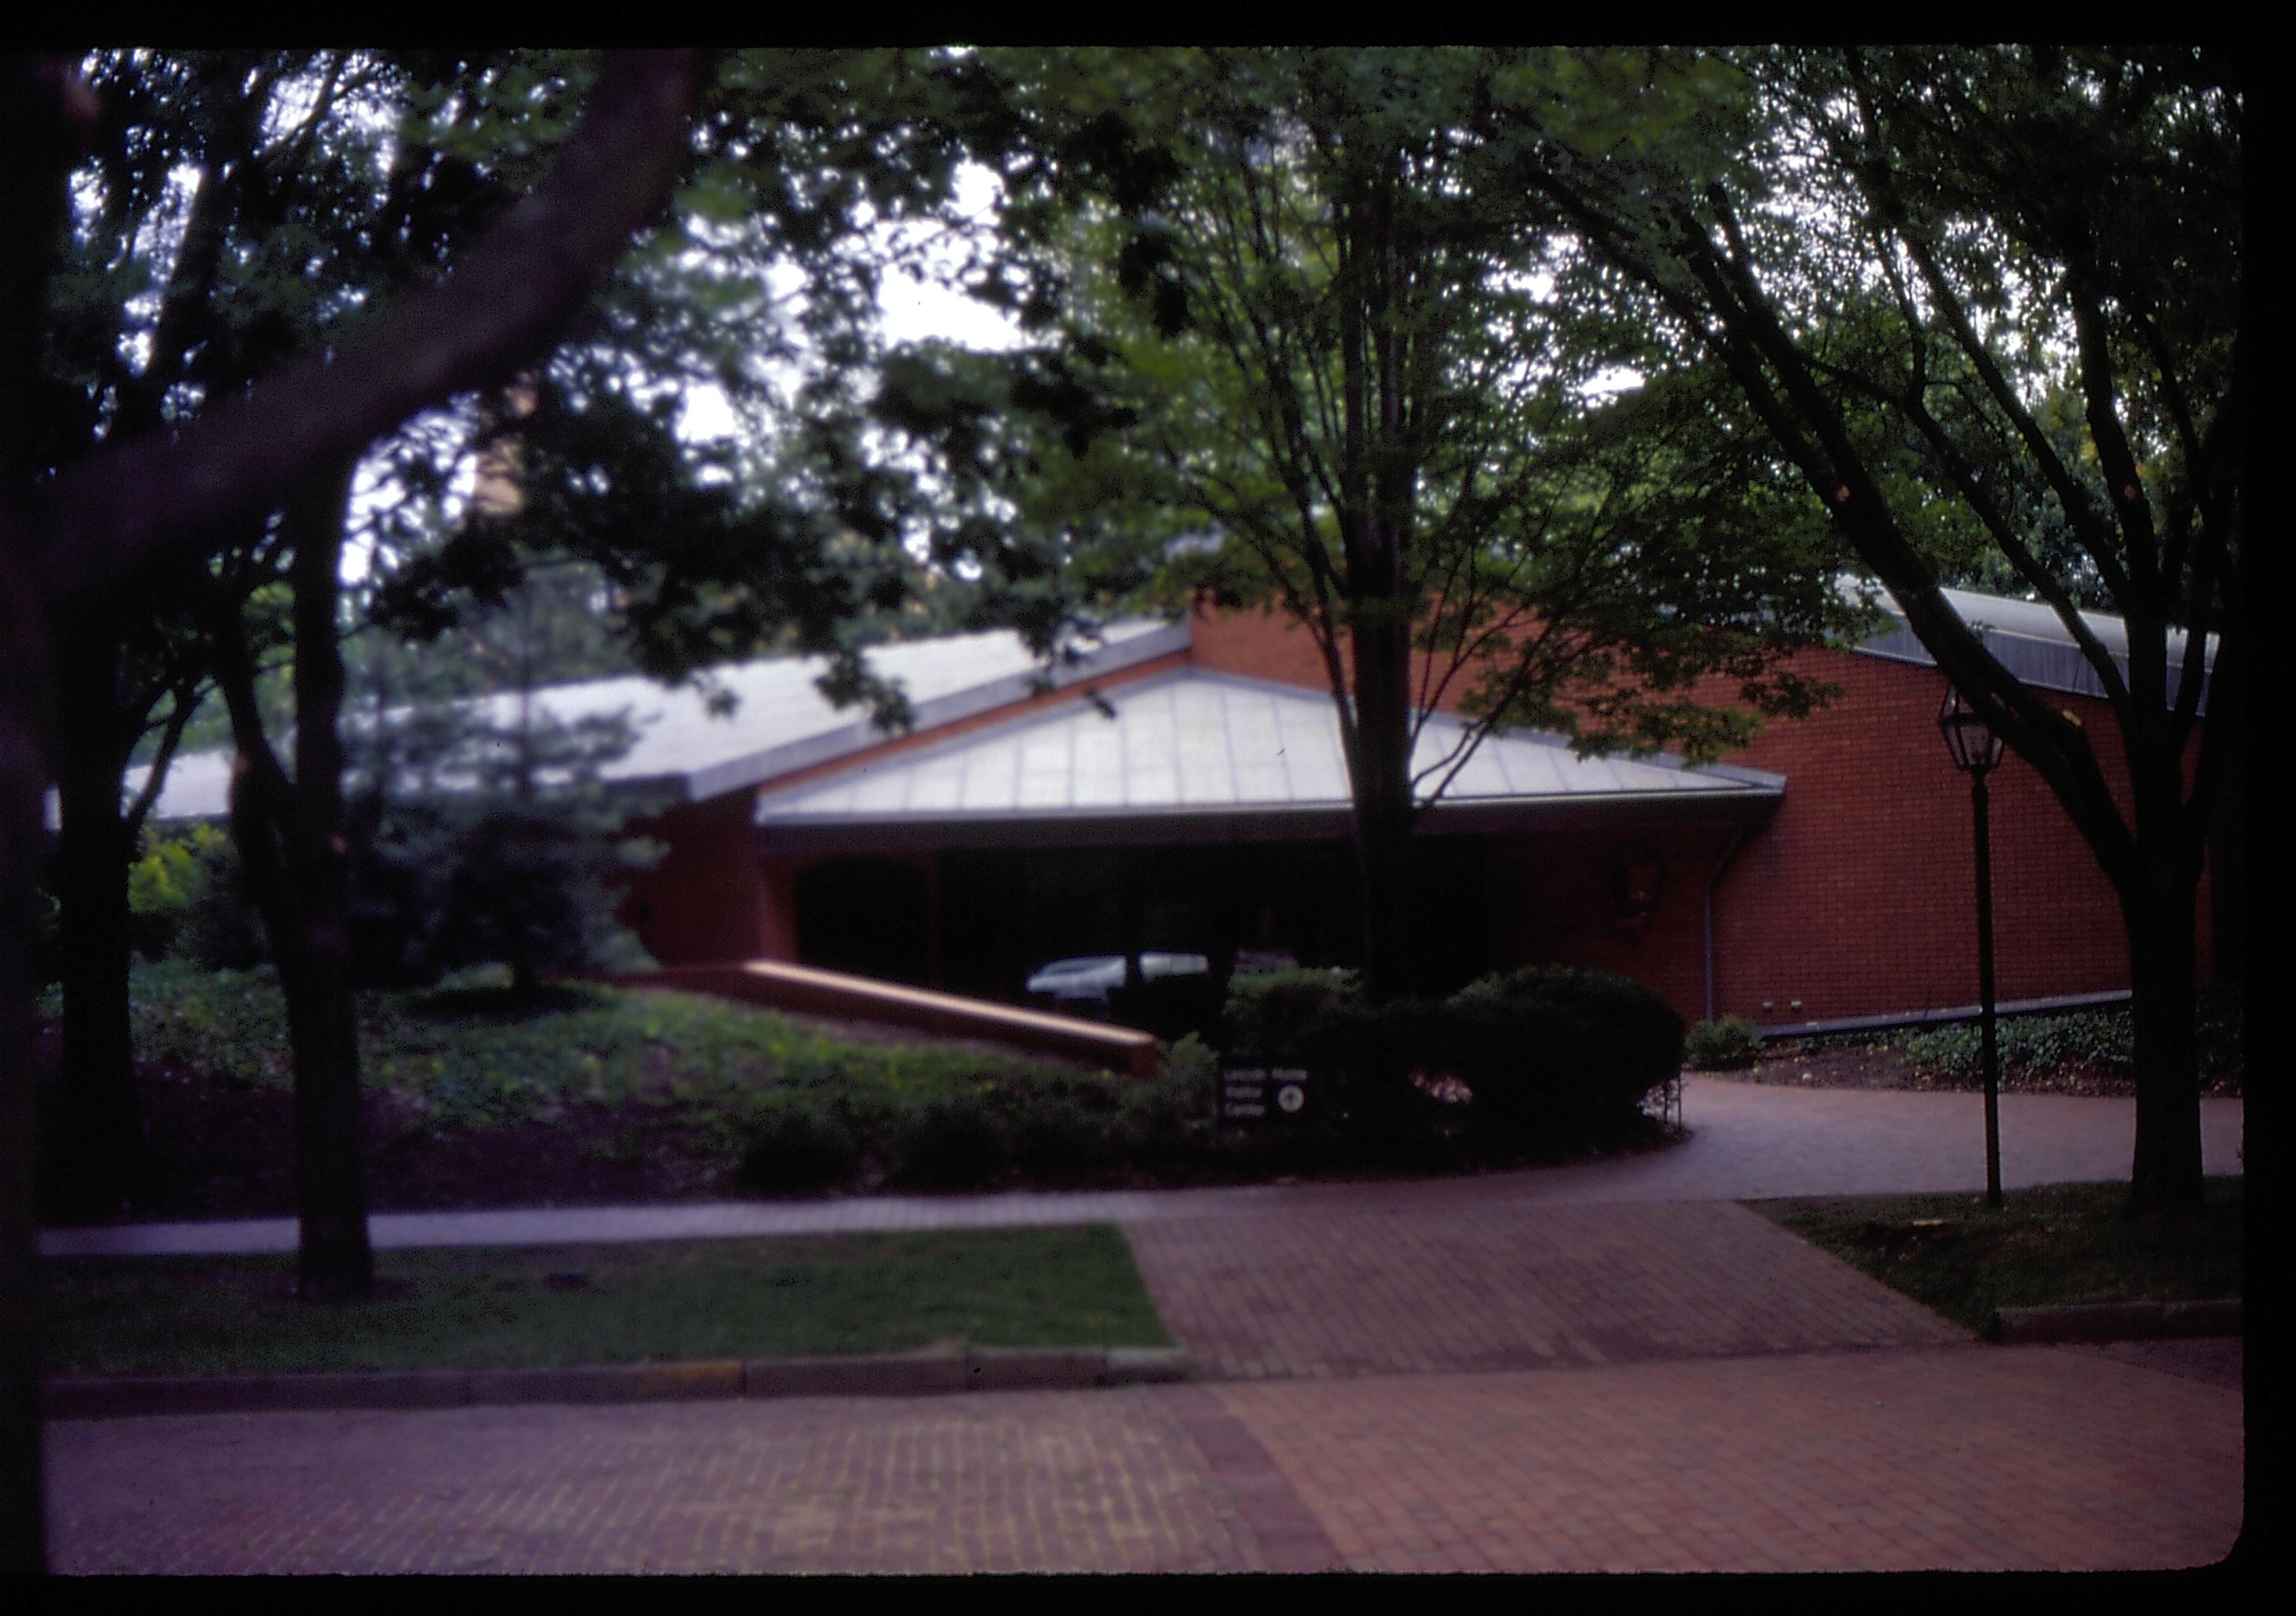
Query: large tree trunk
x,y
1382,805
322,1017
2161,916
1379,498
24,730
96,1151
293,844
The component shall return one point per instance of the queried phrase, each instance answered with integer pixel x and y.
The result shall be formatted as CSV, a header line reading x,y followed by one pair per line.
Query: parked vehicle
x,y
1085,983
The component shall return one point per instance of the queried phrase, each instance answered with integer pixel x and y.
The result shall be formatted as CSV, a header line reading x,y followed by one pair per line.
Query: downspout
x,y
1721,866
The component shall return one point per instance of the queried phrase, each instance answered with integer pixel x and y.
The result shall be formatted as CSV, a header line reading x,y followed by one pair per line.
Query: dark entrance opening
x,y
870,916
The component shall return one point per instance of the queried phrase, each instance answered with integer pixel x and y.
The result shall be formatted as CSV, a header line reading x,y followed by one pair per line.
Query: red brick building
x,y
1827,875
1180,788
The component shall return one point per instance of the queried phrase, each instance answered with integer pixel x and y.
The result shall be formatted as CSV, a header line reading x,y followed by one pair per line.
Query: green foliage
x,y
484,840
707,1299
470,1054
231,1024
954,1141
1190,1068
798,1145
1728,1044
1366,1057
1053,1138
1199,228
1268,1011
185,898
2102,1039
2049,1245
1553,1057
1558,1051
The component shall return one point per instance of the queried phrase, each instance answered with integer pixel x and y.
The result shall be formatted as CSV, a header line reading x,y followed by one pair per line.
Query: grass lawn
x,y
2057,1243
503,1309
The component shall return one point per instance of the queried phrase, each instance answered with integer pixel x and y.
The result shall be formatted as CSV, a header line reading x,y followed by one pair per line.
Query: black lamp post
x,y
1976,750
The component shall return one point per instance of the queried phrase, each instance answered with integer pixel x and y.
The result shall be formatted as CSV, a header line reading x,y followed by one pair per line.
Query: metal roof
x,y
780,721
783,722
2028,639
1196,754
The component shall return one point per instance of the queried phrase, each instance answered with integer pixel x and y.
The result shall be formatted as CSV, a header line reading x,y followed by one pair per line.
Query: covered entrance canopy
x,y
1145,823
1201,757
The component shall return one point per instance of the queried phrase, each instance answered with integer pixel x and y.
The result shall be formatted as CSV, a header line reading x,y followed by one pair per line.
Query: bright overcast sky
x,y
909,311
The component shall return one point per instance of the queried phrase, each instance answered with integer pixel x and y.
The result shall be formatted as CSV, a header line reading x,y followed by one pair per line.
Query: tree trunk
x,y
96,1151
292,845
1383,800
330,1173
2161,915
24,732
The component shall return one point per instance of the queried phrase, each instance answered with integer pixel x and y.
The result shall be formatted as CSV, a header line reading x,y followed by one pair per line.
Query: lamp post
x,y
1976,750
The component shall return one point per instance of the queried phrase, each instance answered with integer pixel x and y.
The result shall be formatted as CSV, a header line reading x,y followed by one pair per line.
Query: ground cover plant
x,y
2082,1052
476,1095
548,1307
2059,1244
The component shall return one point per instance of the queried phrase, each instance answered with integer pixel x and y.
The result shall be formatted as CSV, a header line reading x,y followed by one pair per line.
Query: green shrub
x,y
1728,1045
1057,1137
800,1147
1267,1013
1365,1057
1190,1068
1558,1056
954,1141
185,898
2219,1030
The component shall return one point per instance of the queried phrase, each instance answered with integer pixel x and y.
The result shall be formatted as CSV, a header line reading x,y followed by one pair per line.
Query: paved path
x,y
1507,1285
1748,1140
2033,1458
1595,1368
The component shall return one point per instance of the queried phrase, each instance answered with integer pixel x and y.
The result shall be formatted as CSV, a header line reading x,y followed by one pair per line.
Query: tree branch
x,y
501,309
186,694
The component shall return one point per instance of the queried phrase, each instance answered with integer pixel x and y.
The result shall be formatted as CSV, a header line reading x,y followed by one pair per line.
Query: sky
x,y
911,308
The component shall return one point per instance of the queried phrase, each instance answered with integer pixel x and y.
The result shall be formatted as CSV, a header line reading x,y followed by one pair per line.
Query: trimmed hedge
x,y
1554,1058
1558,1054
1268,1013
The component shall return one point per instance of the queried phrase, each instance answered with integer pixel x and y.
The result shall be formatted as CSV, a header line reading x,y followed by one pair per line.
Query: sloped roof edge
x,y
2028,639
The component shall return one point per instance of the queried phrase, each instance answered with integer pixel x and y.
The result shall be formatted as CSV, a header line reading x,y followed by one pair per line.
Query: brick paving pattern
x,y
1599,1366
1507,1286
2022,1458
2025,1458
994,1481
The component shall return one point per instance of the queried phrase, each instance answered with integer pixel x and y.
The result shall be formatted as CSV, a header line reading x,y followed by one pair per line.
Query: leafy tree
x,y
113,517
1303,305
1986,303
325,181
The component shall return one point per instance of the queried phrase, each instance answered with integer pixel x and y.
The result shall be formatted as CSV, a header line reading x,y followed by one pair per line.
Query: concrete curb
x,y
2117,1321
883,1375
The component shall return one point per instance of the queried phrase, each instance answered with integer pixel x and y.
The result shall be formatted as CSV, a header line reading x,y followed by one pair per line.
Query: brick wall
x,y
1861,896
707,899
1859,899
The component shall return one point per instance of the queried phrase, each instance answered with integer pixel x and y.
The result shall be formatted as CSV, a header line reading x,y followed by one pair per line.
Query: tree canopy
x,y
1309,347
1985,303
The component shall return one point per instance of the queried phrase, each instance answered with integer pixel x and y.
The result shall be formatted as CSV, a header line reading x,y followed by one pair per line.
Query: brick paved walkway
x,y
2027,1458
1507,1285
1596,1366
